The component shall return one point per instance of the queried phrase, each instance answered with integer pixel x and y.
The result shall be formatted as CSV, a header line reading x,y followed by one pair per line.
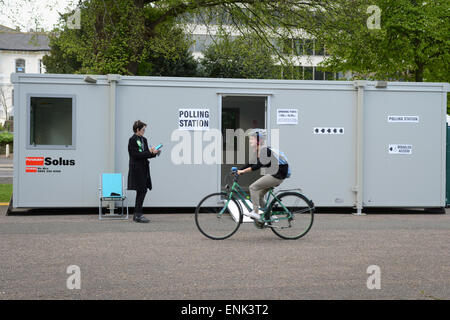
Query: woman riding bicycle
x,y
275,170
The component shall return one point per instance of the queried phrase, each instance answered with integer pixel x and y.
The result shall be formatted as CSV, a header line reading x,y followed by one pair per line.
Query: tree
x,y
59,60
413,43
243,57
170,56
5,95
117,36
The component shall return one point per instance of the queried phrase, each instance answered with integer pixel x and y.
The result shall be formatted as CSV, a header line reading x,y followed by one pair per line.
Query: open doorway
x,y
241,112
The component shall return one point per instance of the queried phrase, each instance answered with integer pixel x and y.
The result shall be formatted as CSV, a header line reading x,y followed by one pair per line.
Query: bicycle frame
x,y
283,205
243,196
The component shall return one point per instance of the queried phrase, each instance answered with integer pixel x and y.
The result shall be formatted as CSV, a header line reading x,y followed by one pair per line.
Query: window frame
x,y
24,65
28,144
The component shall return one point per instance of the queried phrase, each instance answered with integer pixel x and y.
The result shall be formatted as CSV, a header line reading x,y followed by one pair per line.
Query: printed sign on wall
x,y
328,130
287,116
193,119
400,149
414,119
47,164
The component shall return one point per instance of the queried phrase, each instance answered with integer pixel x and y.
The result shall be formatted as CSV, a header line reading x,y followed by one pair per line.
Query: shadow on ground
x,y
191,210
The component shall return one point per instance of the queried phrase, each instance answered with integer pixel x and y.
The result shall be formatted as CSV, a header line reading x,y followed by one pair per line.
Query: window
x,y
318,75
286,46
20,66
319,49
288,72
301,47
297,73
188,17
51,122
276,43
340,76
298,47
330,75
309,47
223,18
202,42
199,42
41,66
308,73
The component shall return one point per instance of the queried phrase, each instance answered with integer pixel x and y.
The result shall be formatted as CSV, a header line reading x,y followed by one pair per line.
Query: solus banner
x,y
47,164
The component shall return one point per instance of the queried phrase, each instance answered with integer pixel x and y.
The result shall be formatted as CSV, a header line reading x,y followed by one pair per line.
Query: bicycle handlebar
x,y
234,173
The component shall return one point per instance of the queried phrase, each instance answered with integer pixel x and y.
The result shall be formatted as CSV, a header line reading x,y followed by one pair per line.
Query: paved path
x,y
170,259
6,170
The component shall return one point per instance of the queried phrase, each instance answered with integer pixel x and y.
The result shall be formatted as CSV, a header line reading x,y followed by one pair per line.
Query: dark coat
x,y
139,170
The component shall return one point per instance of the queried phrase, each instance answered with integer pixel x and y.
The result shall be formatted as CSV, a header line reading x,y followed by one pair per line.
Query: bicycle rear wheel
x,y
295,215
216,217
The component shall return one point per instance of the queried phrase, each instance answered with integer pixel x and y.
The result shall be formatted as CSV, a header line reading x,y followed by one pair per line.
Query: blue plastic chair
x,y
112,190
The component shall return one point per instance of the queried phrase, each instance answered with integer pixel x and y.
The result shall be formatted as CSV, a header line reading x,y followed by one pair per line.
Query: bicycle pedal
x,y
259,224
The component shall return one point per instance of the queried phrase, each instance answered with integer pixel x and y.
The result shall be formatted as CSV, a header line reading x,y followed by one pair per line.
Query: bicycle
x,y
290,214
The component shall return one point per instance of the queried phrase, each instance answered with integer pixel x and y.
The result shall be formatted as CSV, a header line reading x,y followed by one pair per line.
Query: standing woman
x,y
139,170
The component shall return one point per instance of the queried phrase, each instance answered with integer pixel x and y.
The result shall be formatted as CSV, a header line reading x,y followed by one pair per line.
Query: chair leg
x,y
120,215
100,210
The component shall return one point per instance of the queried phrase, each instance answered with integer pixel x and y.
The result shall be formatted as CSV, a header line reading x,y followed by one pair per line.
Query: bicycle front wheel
x,y
217,216
294,215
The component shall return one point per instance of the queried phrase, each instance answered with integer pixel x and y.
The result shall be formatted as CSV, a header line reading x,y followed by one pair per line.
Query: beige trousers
x,y
260,187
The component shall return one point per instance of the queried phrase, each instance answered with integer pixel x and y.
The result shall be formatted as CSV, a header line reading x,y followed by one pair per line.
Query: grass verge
x,y
5,192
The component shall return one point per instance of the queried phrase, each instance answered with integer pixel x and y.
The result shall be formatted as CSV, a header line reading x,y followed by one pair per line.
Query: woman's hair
x,y
259,134
138,125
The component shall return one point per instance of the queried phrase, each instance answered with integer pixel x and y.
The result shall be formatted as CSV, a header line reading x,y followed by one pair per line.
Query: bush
x,y
5,138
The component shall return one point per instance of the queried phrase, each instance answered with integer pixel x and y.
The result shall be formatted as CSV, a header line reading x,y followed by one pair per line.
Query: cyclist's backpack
x,y
282,159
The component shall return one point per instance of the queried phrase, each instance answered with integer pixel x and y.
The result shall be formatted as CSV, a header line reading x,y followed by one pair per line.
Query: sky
x,y
33,14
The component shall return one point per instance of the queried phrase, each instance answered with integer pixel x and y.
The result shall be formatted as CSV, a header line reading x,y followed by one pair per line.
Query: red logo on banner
x,y
30,169
34,161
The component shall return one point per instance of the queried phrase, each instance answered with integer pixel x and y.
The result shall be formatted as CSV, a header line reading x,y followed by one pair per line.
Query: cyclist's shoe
x,y
275,219
253,215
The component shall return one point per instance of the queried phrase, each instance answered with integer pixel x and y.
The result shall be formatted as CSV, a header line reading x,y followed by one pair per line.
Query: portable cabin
x,y
349,143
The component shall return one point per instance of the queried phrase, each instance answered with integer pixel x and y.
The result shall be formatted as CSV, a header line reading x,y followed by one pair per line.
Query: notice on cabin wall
x,y
193,119
328,130
414,119
287,116
400,149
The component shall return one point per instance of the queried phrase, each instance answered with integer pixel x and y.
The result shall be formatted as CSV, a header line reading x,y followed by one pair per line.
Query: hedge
x,y
5,138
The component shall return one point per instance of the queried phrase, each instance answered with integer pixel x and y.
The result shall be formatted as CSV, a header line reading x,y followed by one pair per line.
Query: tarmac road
x,y
6,169
170,259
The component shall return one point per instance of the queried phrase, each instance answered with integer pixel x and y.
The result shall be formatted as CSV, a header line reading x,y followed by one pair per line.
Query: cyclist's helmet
x,y
260,134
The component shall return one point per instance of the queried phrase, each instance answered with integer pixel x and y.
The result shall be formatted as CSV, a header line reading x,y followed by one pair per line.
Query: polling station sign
x,y
413,119
193,119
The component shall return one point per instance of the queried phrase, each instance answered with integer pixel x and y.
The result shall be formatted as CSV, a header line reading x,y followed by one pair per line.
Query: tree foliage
x,y
124,36
80,51
243,57
412,44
